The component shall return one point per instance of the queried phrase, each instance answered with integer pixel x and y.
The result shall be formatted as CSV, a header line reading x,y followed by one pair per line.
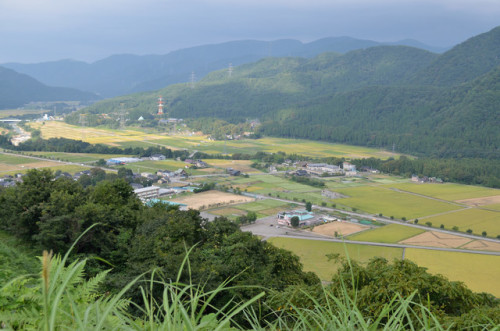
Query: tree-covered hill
x,y
376,96
464,62
127,73
18,89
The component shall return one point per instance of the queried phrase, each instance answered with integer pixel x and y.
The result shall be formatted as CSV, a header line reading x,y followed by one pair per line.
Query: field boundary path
x,y
377,218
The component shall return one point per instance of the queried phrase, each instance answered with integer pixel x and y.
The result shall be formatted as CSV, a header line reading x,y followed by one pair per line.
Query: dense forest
x,y
118,232
419,102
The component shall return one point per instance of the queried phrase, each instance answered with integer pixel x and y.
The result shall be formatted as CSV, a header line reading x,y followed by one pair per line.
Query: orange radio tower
x,y
160,105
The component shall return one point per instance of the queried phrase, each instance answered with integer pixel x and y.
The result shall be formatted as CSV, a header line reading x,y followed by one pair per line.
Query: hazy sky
x,y
42,30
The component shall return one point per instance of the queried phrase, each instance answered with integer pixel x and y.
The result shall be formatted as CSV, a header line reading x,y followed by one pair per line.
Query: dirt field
x,y
481,201
436,239
483,245
342,228
212,199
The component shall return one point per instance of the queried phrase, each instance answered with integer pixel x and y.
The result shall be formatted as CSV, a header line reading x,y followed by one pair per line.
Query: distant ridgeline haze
x,y
420,102
127,73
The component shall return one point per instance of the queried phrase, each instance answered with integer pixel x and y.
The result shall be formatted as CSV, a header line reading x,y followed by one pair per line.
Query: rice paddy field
x,y
375,199
478,272
478,220
313,253
138,138
392,233
447,191
76,157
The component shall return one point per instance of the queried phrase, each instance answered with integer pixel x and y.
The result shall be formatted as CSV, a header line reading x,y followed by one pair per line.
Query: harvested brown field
x,y
483,245
342,228
436,239
481,201
212,199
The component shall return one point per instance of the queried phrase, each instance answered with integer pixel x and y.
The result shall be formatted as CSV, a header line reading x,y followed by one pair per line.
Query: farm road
x,y
377,218
267,228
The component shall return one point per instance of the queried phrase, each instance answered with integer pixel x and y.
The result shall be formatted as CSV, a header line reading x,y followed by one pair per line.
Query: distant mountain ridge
x,y
383,96
124,74
18,89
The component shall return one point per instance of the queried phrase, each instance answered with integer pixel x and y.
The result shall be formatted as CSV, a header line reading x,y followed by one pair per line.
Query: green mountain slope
x,y
18,89
126,73
369,97
464,62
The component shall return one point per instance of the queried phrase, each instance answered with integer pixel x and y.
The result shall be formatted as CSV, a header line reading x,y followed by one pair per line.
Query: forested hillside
x,y
127,73
18,89
381,96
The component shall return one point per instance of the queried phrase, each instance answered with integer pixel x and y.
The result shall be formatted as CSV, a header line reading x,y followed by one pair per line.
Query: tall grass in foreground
x,y
64,300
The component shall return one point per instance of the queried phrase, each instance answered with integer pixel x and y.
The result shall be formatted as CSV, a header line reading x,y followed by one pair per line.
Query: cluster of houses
x,y
425,179
9,180
318,169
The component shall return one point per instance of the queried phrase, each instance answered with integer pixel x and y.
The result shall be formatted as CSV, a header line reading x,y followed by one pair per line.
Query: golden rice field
x,y
447,191
55,129
391,233
478,220
135,137
478,272
376,199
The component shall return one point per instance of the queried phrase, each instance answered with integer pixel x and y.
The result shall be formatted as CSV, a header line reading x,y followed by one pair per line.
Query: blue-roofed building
x,y
305,217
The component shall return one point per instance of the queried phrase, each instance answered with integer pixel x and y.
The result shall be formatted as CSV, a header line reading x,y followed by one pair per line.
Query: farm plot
x,y
212,199
54,129
341,228
392,203
241,165
76,157
447,191
266,207
436,239
10,164
476,202
478,220
478,272
483,245
313,253
391,233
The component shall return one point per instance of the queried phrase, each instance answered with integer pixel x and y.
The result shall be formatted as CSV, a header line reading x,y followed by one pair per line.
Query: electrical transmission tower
x,y
230,69
193,79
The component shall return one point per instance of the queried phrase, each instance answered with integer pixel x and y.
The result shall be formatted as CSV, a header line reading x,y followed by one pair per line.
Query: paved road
x,y
377,218
267,228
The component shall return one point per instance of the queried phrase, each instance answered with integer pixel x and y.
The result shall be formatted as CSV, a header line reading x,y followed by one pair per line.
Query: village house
x,y
157,157
321,168
306,218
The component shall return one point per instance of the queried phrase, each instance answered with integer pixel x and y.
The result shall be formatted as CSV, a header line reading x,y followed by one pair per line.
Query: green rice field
x,y
373,199
478,272
313,253
447,191
478,220
392,233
